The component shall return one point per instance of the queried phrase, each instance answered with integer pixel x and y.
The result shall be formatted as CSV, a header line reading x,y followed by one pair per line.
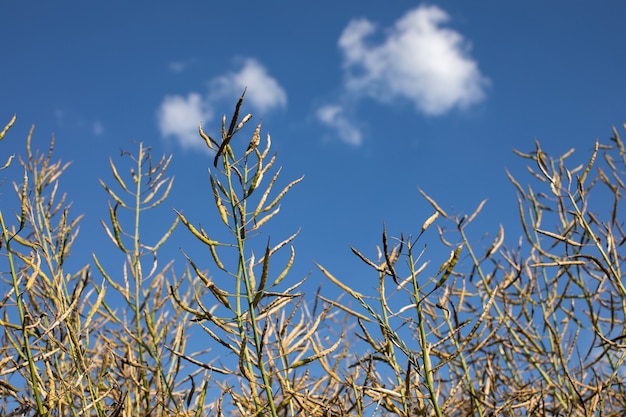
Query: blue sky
x,y
368,100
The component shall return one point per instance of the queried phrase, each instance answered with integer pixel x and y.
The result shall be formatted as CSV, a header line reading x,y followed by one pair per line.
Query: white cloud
x,y
72,119
177,66
179,116
334,116
98,128
180,66
59,115
418,60
264,93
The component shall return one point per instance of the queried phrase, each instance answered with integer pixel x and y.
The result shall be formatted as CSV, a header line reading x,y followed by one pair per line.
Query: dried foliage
x,y
531,329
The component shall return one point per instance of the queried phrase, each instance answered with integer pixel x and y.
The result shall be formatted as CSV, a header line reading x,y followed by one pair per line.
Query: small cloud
x,y
180,66
334,116
177,66
179,117
69,118
59,115
419,59
98,129
264,93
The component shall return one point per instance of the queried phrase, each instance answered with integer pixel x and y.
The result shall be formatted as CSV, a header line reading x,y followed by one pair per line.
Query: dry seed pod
x,y
256,138
244,121
430,221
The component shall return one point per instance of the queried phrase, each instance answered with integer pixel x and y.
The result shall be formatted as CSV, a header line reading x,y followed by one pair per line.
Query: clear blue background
x,y
97,74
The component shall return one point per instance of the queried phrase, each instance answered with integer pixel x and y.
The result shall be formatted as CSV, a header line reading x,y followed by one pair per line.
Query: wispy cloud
x,y
178,116
98,128
418,60
180,66
335,117
71,118
177,66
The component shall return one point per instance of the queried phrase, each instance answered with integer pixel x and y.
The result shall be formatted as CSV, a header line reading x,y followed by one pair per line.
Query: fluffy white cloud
x,y
419,60
179,116
334,116
264,93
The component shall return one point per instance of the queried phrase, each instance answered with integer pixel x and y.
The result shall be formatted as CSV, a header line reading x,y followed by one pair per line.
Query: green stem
x,y
137,273
32,368
239,224
428,371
